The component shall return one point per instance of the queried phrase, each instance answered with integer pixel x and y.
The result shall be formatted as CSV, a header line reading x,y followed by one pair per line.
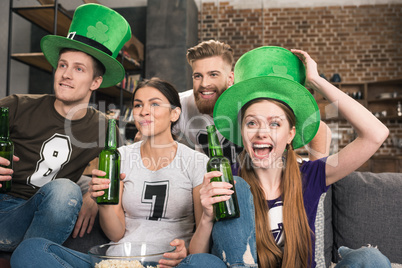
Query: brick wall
x,y
343,130
362,43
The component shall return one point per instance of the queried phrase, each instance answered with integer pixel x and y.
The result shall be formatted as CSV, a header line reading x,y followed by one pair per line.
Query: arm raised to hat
x,y
371,133
319,146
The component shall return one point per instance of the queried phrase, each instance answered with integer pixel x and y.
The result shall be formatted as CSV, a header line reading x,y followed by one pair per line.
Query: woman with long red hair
x,y
270,113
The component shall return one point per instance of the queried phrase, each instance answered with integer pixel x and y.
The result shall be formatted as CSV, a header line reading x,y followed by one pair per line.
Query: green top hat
x,y
270,61
98,31
274,73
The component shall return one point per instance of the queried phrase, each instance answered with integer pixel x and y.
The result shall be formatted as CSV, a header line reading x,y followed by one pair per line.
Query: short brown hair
x,y
208,49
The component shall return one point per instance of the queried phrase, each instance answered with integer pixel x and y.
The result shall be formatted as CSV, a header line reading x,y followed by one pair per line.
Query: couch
x,y
362,209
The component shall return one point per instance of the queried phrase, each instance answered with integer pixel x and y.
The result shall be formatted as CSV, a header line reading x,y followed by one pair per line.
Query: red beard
x,y
206,106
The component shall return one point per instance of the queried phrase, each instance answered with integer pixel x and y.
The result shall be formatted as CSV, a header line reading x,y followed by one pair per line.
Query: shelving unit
x,y
42,15
380,97
34,59
38,60
383,97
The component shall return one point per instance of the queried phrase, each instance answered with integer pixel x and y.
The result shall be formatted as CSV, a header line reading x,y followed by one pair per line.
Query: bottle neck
x,y
4,124
214,146
111,142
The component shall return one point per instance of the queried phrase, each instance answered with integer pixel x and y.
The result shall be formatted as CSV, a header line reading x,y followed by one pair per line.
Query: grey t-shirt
x,y
192,129
158,204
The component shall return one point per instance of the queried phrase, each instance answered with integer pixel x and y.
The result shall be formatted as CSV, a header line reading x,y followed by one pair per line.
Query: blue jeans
x,y
233,240
50,213
365,257
234,243
40,252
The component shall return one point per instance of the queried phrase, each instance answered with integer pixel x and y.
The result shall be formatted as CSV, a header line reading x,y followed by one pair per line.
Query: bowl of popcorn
x,y
128,254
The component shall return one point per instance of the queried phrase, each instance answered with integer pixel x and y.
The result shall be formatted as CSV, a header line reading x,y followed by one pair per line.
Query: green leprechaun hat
x,y
98,31
273,73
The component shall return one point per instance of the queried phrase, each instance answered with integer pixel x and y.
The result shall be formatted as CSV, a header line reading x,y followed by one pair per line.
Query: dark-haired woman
x,y
156,168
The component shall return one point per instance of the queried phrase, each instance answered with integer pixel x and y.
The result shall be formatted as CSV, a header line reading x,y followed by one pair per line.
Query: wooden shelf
x,y
369,92
43,16
390,117
387,100
36,59
115,92
348,84
395,81
129,64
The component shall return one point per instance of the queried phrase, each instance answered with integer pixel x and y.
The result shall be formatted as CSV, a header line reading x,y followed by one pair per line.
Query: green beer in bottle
x,y
109,161
217,162
6,146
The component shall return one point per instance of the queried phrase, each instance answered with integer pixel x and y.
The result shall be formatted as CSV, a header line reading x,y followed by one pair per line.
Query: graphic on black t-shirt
x,y
277,233
230,150
55,153
156,194
276,220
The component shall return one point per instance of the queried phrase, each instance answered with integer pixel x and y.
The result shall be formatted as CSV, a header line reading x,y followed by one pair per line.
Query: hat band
x,y
89,42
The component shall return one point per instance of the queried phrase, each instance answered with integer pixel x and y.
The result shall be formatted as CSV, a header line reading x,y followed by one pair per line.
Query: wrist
x,y
316,82
206,220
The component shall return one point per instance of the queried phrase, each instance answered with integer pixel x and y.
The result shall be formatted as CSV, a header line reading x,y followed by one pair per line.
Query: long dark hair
x,y
164,87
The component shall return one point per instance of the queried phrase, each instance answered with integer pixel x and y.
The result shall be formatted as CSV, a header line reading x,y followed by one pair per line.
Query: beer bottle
x,y
6,146
217,162
109,161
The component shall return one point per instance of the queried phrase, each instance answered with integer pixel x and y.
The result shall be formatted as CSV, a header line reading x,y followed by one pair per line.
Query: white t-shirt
x,y
158,204
192,127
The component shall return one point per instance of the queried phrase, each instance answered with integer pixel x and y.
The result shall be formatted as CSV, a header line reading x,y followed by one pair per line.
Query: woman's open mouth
x,y
262,150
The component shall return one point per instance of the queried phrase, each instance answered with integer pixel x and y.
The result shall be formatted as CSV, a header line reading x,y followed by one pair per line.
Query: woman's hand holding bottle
x,y
213,192
97,185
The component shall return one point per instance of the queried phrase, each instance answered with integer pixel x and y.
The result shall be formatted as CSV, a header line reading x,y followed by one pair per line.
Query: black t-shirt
x,y
50,146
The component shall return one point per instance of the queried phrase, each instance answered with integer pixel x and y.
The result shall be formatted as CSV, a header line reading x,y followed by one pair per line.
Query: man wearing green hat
x,y
56,136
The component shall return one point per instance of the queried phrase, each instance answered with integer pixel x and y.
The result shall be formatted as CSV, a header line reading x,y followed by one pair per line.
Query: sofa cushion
x,y
328,230
323,231
366,210
94,238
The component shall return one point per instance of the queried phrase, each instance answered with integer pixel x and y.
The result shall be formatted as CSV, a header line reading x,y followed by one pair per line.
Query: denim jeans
x,y
234,242
50,213
234,239
363,257
40,252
